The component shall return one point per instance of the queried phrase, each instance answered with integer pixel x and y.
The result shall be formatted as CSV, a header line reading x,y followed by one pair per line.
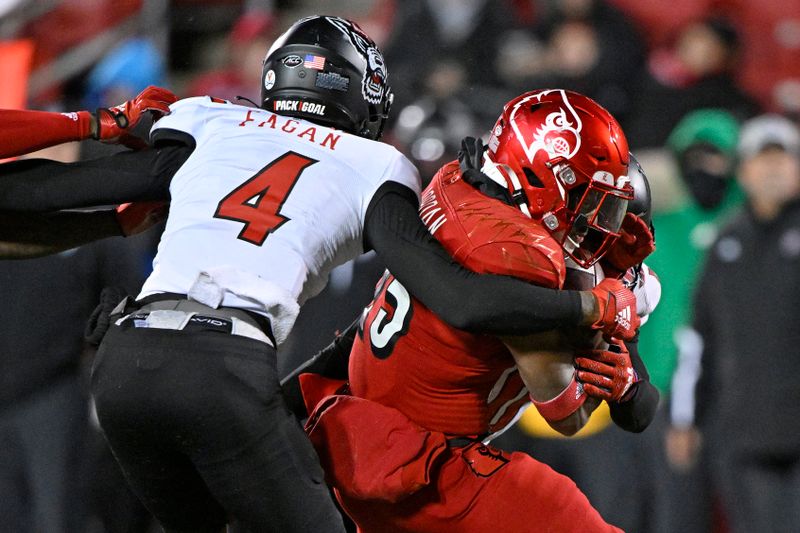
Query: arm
x,y
44,185
693,379
331,362
27,235
481,303
545,365
639,409
27,131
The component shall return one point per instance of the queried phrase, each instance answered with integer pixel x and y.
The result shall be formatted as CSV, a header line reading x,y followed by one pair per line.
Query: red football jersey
x,y
442,378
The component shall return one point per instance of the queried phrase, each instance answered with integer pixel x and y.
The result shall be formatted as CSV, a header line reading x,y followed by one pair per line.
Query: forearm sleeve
x,y
635,414
480,303
28,235
23,132
45,185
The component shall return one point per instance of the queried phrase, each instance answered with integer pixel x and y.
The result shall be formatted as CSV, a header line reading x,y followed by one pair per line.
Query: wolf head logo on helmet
x,y
346,76
565,160
373,84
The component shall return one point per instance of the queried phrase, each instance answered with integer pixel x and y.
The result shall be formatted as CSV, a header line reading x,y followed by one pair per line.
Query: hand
x,y
470,157
136,217
113,124
617,306
633,245
607,374
683,447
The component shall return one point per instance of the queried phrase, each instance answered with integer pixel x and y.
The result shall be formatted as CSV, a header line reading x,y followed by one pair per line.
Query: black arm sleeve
x,y
480,303
25,235
635,414
45,185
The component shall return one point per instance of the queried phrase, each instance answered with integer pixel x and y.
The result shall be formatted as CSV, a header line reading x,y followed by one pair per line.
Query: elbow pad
x,y
562,406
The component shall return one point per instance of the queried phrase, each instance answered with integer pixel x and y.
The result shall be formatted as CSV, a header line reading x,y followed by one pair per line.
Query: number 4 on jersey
x,y
257,202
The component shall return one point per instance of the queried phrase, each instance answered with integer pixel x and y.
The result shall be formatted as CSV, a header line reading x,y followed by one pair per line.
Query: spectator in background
x,y
744,342
771,43
704,148
50,457
696,73
584,45
250,36
439,100
448,49
123,72
44,407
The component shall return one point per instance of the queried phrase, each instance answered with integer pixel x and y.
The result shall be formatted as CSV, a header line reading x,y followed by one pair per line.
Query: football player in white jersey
x,y
264,203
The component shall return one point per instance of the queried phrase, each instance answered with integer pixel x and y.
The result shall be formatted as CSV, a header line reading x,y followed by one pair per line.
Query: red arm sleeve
x,y
22,132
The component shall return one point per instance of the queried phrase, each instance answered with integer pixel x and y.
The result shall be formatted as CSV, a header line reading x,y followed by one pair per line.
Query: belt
x,y
462,442
181,314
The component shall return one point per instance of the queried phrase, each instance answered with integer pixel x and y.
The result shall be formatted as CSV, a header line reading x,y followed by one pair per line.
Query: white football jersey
x,y
265,206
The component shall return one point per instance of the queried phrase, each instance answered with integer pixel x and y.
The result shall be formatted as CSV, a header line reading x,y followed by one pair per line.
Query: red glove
x,y
114,123
134,218
633,245
617,306
607,374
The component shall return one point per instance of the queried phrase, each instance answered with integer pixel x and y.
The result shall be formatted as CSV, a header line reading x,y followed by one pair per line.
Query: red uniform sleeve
x,y
22,132
488,236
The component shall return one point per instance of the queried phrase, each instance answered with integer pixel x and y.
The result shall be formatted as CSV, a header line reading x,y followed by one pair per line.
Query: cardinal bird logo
x,y
559,136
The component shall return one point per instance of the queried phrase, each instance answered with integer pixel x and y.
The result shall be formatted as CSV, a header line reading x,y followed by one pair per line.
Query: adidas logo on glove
x,y
624,317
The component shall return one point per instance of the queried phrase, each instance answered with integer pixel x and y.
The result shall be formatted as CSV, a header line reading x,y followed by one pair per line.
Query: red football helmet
x,y
565,160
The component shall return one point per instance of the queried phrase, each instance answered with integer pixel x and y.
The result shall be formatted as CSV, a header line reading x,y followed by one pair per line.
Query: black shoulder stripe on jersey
x,y
167,135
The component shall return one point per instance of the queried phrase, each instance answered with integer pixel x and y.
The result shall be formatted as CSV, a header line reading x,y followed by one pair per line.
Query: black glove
x,y
100,319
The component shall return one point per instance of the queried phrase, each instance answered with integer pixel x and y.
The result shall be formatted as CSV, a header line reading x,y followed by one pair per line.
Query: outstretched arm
x,y
42,185
22,132
481,303
28,235
32,192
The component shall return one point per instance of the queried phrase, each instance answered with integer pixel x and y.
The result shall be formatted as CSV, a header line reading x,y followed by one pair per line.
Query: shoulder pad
x,y
487,236
183,122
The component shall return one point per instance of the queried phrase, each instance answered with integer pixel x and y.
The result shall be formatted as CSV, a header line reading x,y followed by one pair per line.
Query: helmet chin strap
x,y
509,179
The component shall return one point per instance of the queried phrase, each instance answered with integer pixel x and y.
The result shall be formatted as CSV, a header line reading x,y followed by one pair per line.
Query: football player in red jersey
x,y
25,234
406,449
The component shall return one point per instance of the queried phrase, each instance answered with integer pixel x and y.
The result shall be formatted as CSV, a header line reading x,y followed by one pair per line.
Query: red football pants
x,y
393,476
482,490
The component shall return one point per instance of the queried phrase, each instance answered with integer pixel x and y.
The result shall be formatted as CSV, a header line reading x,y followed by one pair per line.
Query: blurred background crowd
x,y
708,93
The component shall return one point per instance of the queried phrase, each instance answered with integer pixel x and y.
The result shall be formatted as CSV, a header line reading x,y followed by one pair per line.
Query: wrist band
x,y
567,402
